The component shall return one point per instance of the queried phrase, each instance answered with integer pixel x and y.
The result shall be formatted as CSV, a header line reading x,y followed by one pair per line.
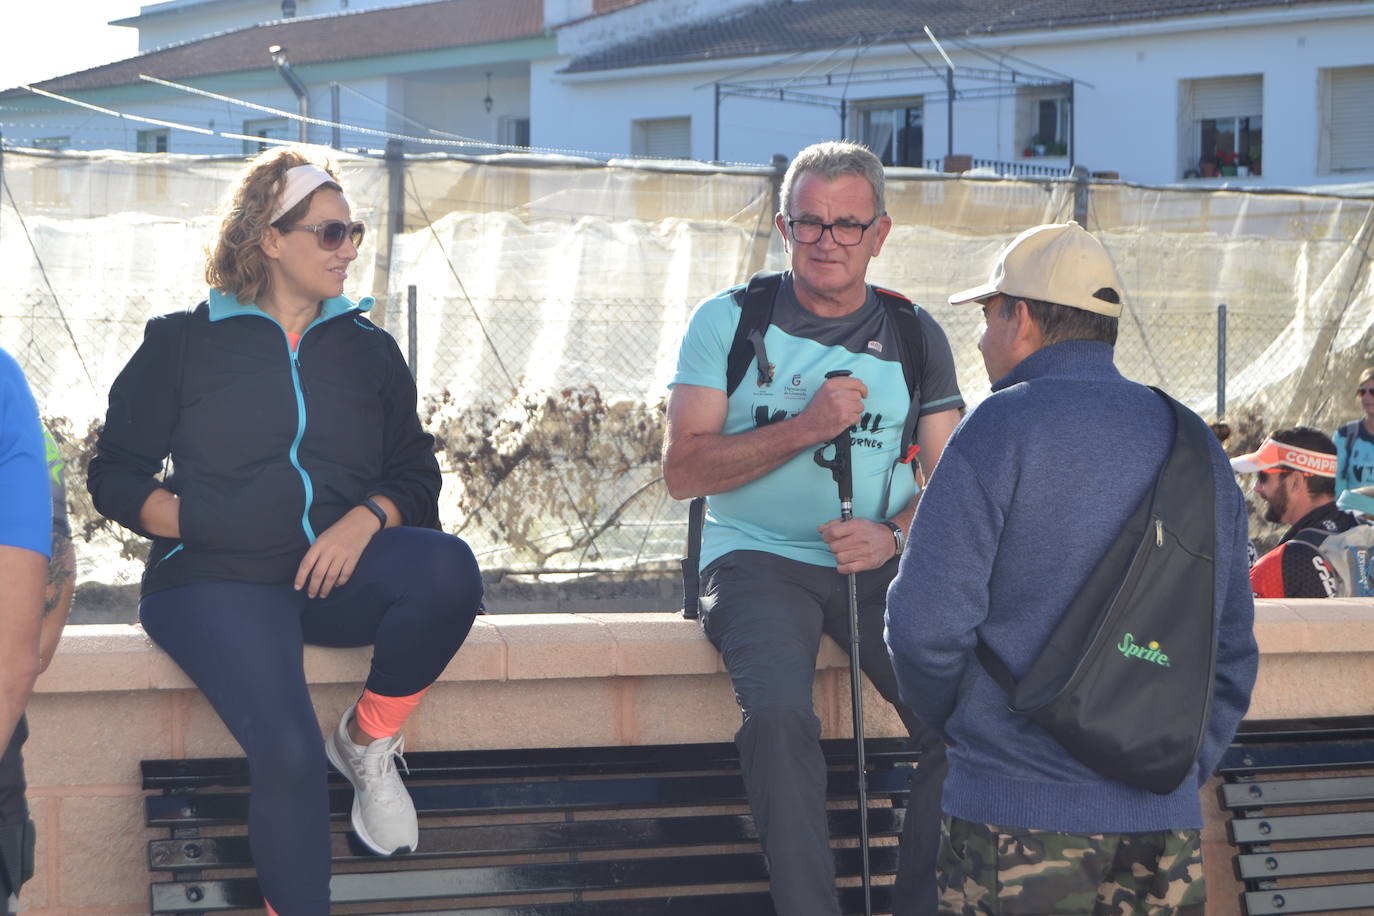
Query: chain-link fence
x,y
543,300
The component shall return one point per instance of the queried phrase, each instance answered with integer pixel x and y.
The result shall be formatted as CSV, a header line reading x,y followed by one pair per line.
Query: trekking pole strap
x,y
691,563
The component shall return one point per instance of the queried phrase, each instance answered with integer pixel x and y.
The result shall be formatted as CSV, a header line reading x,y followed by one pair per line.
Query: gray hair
x,y
830,160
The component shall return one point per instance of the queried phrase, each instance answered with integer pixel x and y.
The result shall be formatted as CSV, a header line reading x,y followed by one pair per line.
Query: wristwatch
x,y
898,537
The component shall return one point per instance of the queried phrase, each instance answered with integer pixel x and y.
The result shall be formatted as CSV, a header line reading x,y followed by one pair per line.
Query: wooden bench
x,y
547,832
1301,793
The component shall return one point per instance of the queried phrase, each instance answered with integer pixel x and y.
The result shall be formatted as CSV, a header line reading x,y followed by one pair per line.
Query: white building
x,y
1156,91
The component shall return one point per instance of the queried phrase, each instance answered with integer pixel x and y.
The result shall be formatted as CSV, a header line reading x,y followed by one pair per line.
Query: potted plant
x,y
1226,162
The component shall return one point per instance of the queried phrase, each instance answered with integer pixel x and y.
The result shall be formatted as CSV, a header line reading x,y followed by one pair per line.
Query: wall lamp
x,y
278,53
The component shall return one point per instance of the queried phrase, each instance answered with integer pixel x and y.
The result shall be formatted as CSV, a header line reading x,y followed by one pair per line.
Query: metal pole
x,y
949,90
1072,161
949,109
1221,361
334,139
844,110
715,149
412,332
842,470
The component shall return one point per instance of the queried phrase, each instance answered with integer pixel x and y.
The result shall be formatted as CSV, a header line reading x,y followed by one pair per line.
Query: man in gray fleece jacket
x,y
1030,491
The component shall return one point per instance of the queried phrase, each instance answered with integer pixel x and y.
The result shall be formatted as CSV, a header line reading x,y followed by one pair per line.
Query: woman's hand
x,y
334,555
161,514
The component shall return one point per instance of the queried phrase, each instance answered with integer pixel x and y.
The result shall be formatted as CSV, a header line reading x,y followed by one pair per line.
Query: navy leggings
x,y
413,597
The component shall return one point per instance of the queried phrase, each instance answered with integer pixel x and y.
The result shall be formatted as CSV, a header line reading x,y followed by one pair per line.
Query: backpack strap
x,y
756,313
1179,480
911,348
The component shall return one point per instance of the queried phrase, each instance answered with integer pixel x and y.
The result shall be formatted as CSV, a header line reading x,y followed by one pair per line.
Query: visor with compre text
x,y
1273,454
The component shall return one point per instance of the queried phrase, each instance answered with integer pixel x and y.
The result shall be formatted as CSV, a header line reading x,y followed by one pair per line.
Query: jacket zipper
x,y
299,384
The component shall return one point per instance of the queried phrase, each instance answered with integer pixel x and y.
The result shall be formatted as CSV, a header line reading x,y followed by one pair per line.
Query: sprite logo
x,y
1150,653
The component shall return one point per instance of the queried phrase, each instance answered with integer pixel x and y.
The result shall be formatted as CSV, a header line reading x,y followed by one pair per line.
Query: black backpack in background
x,y
1125,681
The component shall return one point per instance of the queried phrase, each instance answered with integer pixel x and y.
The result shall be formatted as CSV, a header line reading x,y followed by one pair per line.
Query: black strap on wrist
x,y
370,505
898,538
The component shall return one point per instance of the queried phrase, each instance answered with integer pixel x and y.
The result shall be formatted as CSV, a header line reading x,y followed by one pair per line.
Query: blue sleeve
x,y
1237,652
26,510
1342,459
939,597
939,382
706,345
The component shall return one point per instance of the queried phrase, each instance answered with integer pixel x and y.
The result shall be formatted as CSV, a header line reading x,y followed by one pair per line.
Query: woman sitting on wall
x,y
301,508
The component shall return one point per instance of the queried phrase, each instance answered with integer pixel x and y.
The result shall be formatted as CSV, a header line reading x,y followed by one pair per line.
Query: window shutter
x,y
1351,118
1228,97
668,138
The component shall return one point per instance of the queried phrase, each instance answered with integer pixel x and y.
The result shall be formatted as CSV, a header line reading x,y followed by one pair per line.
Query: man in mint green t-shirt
x,y
775,557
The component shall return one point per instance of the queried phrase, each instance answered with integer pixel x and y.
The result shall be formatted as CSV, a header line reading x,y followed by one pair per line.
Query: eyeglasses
x,y
1364,391
844,232
332,232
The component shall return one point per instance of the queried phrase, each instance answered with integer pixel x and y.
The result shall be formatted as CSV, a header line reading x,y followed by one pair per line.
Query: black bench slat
x,y
554,837
1263,866
1297,755
1332,728
483,881
1314,760
214,809
1302,827
1309,899
746,904
1329,790
501,764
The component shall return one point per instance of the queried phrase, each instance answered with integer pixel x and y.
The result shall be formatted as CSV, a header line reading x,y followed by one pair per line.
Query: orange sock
x,y
382,717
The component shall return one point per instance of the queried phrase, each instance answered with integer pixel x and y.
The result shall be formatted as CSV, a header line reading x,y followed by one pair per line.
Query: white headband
x,y
295,184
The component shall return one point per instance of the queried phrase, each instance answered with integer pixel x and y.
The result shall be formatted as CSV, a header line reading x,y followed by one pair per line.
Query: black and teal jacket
x,y
268,447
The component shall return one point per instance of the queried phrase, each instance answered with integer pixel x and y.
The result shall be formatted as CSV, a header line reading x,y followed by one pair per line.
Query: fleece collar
x,y
226,305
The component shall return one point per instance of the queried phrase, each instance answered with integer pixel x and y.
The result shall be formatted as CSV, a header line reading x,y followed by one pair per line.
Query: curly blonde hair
x,y
236,264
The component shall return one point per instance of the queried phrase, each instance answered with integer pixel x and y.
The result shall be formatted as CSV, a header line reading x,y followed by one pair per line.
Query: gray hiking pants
x,y
766,615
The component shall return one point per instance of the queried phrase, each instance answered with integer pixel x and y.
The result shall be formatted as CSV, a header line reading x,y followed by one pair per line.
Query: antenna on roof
x,y
949,90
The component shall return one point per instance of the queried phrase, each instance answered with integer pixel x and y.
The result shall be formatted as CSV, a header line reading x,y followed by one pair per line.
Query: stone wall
x,y
110,699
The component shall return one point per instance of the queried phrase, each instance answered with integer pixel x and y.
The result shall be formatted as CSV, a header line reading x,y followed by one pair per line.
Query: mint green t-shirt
x,y
780,511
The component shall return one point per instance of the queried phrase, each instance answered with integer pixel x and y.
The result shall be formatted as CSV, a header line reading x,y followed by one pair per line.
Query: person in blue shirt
x,y
1355,441
775,557
16,829
25,546
1032,489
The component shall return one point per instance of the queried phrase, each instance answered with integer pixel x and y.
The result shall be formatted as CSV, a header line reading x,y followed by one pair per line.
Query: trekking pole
x,y
841,469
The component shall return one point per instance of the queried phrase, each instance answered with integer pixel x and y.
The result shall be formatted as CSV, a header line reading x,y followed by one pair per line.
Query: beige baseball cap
x,y
1058,262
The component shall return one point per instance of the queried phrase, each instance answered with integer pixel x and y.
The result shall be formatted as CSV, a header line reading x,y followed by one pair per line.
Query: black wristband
x,y
370,505
898,538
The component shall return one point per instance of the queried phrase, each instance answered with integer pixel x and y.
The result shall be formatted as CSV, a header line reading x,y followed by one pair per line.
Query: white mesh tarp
x,y
550,295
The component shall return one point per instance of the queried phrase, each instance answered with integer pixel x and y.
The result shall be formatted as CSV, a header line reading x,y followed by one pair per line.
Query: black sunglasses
x,y
1364,391
332,232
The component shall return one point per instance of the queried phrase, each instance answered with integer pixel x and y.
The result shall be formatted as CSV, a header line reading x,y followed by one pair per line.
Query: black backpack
x,y
756,314
1125,681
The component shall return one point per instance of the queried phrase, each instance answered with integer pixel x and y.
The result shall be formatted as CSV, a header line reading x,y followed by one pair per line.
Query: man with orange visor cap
x,y
1296,471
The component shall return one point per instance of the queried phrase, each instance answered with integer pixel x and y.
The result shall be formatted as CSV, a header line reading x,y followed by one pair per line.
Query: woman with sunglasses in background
x,y
1355,442
301,508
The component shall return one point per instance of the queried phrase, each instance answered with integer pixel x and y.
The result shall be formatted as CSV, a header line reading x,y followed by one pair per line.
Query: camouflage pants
x,y
986,870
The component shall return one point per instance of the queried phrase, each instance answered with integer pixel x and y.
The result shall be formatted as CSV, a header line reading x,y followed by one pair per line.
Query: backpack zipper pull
x,y
1159,533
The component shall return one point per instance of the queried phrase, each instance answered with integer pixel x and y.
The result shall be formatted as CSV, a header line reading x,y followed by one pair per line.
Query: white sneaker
x,y
383,814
